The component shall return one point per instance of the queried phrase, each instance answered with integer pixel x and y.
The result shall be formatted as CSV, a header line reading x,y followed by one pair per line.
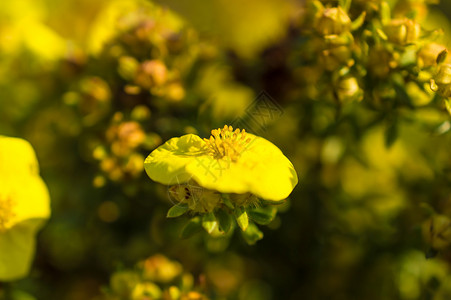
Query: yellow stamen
x,y
226,143
6,212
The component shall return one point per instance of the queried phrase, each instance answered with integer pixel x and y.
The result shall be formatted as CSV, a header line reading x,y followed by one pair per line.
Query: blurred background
x,y
95,86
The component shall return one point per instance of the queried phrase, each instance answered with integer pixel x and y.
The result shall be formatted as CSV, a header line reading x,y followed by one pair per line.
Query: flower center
x,y
227,143
6,212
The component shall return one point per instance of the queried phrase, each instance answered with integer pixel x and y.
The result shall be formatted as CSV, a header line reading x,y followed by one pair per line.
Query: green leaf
x,y
402,95
192,227
226,201
177,210
345,4
252,234
241,218
442,56
357,23
225,221
447,105
209,222
262,215
20,295
391,134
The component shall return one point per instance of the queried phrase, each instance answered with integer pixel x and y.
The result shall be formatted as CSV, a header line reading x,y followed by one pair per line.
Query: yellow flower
x,y
230,162
24,205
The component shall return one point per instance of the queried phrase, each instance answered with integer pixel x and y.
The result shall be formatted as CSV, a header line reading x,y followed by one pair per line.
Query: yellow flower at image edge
x,y
231,161
24,206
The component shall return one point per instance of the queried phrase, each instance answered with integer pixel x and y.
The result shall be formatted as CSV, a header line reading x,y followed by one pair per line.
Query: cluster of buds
x,y
441,82
92,99
366,42
156,278
437,232
119,155
139,71
151,76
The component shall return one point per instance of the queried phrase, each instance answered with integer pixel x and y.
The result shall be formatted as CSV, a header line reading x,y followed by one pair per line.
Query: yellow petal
x,y
17,250
17,158
20,180
167,163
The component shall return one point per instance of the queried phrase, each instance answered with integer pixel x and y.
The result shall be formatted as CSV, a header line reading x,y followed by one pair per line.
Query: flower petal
x,y
262,170
17,247
20,180
167,164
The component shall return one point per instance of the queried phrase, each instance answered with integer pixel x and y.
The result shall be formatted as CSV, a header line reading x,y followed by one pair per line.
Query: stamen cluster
x,y
6,212
227,143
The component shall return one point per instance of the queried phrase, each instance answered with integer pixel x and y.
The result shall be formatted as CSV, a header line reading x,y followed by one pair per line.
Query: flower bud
x,y
127,67
443,75
441,83
348,90
427,55
95,100
159,268
151,73
437,231
193,296
417,8
381,61
332,59
402,31
146,291
333,21
125,137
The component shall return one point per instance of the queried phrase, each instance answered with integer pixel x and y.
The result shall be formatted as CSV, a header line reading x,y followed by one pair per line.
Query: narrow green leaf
x,y
357,23
391,134
225,221
345,4
192,227
381,34
177,210
252,234
227,202
209,222
402,95
241,218
448,105
262,215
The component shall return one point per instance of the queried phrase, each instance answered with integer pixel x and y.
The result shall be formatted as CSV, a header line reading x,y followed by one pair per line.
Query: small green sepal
x,y
241,218
192,227
252,234
262,215
209,222
225,221
177,210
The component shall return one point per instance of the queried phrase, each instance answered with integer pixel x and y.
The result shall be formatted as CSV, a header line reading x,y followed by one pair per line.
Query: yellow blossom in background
x,y
229,162
24,206
23,25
